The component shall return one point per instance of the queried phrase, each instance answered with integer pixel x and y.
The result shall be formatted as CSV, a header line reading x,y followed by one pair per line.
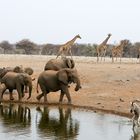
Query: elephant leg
x,y
22,90
43,89
68,97
2,92
19,90
61,97
11,94
40,96
45,98
65,90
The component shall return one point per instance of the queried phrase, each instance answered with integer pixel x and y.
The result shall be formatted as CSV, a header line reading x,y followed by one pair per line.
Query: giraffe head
x,y
109,34
78,36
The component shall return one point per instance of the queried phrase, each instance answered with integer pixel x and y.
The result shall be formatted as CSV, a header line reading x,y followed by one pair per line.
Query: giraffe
x,y
101,48
138,56
66,48
118,50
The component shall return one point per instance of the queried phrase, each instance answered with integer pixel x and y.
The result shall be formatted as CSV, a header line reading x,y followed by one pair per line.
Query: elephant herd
x,y
57,75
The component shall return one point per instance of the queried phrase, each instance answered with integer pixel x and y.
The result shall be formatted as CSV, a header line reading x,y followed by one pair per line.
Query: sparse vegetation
x,y
26,46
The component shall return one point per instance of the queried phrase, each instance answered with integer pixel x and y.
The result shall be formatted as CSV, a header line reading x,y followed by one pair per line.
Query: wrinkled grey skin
x,y
52,81
57,64
13,80
17,69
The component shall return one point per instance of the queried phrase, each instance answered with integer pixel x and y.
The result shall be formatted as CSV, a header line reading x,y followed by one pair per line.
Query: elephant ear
x,y
28,70
63,77
70,63
20,78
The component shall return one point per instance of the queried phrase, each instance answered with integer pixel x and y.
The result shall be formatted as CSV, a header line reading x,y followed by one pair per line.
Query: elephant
x,y
52,81
57,64
13,80
17,69
66,126
20,69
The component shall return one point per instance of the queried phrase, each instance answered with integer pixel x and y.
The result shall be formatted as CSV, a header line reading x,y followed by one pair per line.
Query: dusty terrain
x,y
105,86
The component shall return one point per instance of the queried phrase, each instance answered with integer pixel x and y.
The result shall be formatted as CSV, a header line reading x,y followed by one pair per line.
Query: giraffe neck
x,y
105,41
71,42
122,45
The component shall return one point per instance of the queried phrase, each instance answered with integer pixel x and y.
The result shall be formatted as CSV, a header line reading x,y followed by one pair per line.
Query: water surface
x,y
58,123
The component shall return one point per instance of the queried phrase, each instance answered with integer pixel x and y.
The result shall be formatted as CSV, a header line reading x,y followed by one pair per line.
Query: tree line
x,y
28,47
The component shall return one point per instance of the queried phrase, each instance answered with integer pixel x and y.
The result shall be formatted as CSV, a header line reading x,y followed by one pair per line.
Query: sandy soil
x,y
105,86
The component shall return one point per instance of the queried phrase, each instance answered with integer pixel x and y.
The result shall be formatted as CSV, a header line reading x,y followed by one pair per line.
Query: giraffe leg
x,y
112,55
104,55
71,54
59,52
97,58
120,58
101,58
58,55
116,58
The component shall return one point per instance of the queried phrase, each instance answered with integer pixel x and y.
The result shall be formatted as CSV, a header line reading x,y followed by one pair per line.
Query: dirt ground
x,y
105,86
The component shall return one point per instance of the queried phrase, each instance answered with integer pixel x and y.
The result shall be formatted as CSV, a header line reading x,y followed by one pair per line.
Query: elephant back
x,y
3,71
58,64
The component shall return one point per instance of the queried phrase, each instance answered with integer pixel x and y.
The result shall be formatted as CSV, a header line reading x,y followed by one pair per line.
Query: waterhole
x,y
21,122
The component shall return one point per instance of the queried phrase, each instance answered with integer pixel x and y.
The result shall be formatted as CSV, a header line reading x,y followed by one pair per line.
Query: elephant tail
x,y
37,88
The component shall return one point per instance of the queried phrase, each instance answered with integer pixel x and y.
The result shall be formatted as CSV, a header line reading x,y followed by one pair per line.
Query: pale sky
x,y
57,21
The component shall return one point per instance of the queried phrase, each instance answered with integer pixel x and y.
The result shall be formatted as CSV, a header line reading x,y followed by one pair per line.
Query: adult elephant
x,y
52,81
13,80
57,64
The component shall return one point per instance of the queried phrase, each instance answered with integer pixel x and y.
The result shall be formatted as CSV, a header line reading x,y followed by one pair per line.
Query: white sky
x,y
57,21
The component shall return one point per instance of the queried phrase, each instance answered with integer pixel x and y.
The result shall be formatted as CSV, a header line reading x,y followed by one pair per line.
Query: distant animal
x,y
135,110
58,64
52,81
102,48
13,80
117,51
65,49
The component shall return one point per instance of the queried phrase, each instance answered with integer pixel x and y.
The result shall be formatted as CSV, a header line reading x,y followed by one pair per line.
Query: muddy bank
x,y
89,108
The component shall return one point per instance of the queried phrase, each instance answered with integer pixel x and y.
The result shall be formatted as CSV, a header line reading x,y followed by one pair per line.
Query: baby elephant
x,y
52,81
13,80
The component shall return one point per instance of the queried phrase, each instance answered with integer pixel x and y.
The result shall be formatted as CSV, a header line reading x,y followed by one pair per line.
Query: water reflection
x,y
60,126
136,133
15,114
18,121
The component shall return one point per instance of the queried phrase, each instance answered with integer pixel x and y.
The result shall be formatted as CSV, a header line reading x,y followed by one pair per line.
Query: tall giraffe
x,y
66,48
118,50
101,48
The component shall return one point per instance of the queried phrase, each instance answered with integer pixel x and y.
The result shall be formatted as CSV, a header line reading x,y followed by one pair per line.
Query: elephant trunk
x,y
30,91
78,84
